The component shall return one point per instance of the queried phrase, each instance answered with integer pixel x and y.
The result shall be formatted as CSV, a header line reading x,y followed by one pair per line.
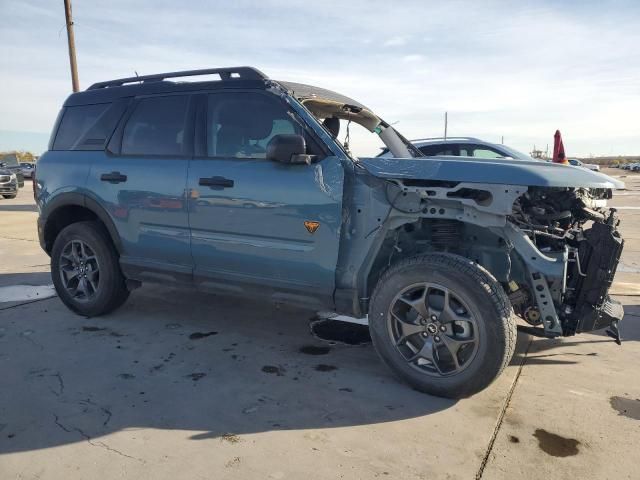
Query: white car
x,y
591,166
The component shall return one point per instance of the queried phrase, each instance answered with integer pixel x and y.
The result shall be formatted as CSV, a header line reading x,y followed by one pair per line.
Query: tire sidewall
x,y
489,356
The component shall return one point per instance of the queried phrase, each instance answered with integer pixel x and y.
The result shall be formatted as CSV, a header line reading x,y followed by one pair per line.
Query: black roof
x,y
230,77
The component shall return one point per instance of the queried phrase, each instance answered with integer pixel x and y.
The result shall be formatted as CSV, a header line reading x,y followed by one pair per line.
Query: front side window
x,y
157,127
240,125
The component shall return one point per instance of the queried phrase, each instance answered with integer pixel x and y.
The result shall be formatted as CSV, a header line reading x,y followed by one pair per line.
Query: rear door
x,y
141,180
248,214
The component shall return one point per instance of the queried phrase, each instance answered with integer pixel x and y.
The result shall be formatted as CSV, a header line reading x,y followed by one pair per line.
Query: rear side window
x,y
433,150
77,122
157,127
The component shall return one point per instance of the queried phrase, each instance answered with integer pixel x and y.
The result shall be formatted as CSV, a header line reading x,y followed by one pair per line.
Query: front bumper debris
x,y
593,261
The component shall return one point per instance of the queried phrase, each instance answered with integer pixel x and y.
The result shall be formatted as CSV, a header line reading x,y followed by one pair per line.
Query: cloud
x,y
412,58
498,68
395,42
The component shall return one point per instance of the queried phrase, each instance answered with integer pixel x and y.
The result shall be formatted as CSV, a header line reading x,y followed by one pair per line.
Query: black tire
x,y
111,291
9,197
488,306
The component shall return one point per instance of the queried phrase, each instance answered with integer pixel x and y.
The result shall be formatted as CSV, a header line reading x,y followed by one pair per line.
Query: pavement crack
x,y
60,384
108,413
20,239
111,449
503,412
104,410
27,303
90,441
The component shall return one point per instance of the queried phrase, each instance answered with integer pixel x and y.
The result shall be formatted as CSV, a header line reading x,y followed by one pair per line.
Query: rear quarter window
x,y
88,127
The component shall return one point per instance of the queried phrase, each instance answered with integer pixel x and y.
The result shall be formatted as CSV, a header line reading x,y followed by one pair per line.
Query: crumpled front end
x,y
543,230
578,246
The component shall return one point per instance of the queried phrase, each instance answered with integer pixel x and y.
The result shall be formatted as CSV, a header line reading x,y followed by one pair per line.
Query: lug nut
x,y
436,338
425,334
434,318
443,328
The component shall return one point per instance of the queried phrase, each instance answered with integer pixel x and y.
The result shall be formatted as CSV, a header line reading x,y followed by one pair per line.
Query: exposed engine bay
x,y
574,224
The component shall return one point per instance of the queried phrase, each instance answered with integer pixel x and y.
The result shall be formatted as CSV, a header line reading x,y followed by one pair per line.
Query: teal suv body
x,y
239,185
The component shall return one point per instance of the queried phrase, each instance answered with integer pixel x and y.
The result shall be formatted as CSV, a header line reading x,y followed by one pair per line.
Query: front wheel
x,y
10,196
85,270
443,324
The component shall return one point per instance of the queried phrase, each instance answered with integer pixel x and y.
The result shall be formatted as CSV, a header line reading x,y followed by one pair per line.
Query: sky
x,y
518,70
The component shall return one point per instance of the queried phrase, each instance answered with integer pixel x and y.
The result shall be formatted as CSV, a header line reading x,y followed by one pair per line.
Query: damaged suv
x,y
239,185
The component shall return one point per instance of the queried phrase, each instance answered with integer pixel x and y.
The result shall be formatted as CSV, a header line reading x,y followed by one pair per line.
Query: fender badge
x,y
311,226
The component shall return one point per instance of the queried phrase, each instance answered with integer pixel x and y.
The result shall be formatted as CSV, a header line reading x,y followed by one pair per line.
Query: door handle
x,y
113,177
216,182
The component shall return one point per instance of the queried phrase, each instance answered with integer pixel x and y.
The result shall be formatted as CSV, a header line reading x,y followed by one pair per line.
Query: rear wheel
x,y
9,197
443,324
85,270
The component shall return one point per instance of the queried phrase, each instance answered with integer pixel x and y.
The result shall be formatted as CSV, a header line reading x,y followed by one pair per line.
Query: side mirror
x,y
288,148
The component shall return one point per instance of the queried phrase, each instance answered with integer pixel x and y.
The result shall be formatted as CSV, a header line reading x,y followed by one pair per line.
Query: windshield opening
x,y
358,131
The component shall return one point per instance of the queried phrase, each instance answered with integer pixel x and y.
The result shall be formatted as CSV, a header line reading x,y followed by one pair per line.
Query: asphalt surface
x,y
179,384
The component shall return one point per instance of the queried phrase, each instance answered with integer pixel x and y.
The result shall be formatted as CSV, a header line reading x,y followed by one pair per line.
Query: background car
x,y
8,183
475,147
10,162
27,169
591,166
464,147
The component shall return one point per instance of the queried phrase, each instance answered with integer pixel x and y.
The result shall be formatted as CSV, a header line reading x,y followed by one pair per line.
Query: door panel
x,y
143,186
253,229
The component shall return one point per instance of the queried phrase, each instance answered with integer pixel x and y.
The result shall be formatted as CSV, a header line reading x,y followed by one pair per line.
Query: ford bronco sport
x,y
238,185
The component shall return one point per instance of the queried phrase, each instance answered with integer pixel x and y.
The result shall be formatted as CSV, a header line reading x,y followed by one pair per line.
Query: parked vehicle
x,y
240,186
463,147
477,148
10,162
8,183
27,169
591,166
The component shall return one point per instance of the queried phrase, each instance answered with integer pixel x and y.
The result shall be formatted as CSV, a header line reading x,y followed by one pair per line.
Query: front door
x,y
142,183
254,221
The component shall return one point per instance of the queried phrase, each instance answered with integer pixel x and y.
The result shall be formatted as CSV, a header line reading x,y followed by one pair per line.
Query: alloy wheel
x,y
433,329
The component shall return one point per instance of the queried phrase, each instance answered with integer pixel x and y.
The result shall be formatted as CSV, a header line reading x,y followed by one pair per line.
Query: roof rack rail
x,y
226,74
473,139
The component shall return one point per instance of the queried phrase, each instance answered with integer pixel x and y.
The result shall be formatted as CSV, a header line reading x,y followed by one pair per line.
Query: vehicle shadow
x,y
171,359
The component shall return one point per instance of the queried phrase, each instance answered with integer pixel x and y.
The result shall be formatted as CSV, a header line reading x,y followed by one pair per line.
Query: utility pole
x,y
445,125
72,46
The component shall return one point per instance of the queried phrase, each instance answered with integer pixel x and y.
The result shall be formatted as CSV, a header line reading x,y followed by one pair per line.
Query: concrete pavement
x,y
185,385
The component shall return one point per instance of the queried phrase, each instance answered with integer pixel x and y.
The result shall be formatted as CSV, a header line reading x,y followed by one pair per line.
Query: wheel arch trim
x,y
81,200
